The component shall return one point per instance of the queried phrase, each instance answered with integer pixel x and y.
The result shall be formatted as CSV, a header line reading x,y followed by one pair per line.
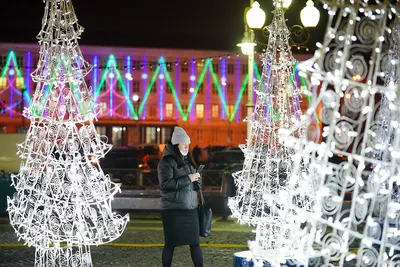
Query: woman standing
x,y
179,185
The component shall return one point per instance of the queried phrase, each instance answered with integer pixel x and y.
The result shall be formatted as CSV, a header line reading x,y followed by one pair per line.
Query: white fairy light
x,y
62,203
264,184
362,138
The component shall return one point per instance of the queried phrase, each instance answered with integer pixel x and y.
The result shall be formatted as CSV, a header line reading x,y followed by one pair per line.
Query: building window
x,y
153,65
169,110
3,60
118,135
200,111
244,69
166,134
151,135
199,134
230,109
154,88
169,67
101,130
119,87
20,61
215,135
231,69
214,89
3,82
244,112
184,108
215,111
136,65
230,89
184,67
103,87
216,68
184,88
136,86
168,89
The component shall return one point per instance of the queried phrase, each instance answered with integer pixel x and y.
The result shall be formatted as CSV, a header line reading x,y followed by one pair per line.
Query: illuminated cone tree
x,y
264,184
63,199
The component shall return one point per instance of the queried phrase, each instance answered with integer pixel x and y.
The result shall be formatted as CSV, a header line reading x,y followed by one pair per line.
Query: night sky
x,y
201,24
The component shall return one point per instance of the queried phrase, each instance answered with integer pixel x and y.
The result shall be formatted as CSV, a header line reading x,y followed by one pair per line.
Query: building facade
x,y
145,92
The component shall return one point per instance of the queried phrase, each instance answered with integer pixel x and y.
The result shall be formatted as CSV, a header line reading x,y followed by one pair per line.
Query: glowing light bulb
x,y
128,76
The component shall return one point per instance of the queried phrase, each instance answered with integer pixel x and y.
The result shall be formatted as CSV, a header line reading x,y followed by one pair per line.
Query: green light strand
x,y
111,59
125,92
221,96
174,94
199,82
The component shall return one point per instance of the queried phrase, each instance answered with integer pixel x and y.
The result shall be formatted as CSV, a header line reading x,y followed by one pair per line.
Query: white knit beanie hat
x,y
179,136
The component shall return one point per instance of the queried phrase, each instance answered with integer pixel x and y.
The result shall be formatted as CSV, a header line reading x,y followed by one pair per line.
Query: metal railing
x,y
141,178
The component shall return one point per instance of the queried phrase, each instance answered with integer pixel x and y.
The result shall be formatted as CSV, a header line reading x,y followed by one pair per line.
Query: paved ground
x,y
140,245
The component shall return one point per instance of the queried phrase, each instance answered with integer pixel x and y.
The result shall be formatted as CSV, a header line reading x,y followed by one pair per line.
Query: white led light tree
x,y
63,199
264,183
352,81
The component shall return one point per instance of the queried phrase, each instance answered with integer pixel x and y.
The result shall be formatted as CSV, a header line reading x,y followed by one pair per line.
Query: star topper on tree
x,y
63,199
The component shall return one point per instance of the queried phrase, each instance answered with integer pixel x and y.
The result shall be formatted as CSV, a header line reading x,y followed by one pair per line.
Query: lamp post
x,y
254,21
247,47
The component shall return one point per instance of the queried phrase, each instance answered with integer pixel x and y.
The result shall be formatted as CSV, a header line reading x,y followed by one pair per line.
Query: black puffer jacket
x,y
177,191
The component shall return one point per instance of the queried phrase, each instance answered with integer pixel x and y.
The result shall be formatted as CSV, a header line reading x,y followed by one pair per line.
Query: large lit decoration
x,y
353,83
265,181
63,199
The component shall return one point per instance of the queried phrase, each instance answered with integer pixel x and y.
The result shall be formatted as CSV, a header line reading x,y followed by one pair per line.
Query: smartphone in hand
x,y
200,169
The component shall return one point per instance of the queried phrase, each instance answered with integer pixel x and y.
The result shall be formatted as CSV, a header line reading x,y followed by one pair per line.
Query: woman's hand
x,y
194,177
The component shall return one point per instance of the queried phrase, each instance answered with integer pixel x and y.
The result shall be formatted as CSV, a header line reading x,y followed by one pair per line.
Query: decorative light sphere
x,y
192,78
111,75
11,72
247,45
135,98
161,76
128,76
255,17
144,76
191,89
309,15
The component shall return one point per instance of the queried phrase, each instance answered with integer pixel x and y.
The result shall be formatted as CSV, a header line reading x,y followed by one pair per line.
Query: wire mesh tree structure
x,y
352,81
263,185
63,199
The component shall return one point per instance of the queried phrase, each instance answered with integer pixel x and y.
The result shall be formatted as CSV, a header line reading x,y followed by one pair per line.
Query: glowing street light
x,y
309,15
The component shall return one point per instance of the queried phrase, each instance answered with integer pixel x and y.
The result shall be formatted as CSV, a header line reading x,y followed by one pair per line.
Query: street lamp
x,y
309,15
300,36
254,22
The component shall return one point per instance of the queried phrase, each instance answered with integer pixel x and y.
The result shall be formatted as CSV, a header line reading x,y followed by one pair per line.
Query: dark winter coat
x,y
177,190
